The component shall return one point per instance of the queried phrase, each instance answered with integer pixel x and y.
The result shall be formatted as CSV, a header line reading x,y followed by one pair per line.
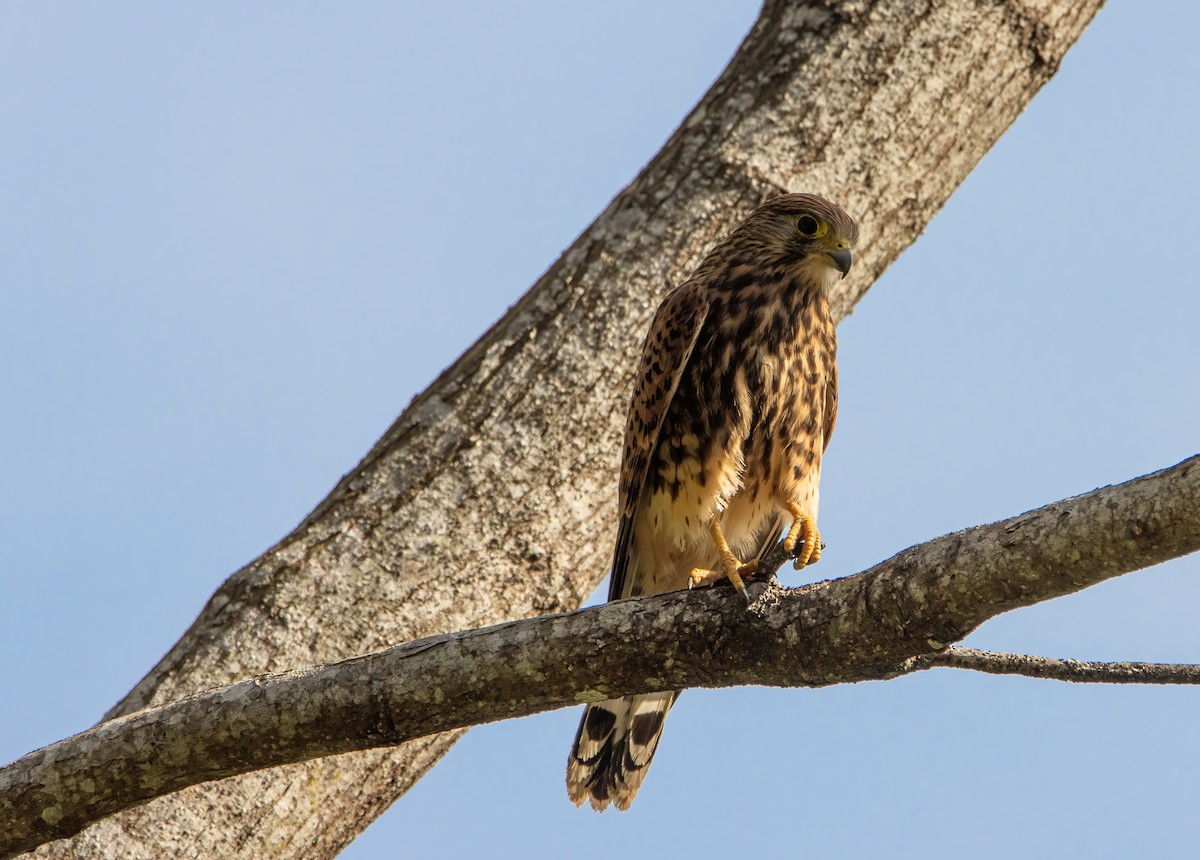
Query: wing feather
x,y
831,404
665,354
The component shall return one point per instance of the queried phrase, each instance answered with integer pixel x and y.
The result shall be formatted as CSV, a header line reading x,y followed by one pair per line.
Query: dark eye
x,y
807,225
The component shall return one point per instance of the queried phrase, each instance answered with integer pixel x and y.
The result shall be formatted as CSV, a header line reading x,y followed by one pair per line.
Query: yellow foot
x,y
703,576
732,568
803,531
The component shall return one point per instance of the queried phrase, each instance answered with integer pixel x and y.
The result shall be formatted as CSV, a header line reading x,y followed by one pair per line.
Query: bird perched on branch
x,y
733,406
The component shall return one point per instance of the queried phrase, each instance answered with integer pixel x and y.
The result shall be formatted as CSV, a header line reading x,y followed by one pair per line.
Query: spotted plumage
x,y
733,406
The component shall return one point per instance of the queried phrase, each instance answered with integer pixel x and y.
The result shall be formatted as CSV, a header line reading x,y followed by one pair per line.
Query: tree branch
x,y
1078,671
887,621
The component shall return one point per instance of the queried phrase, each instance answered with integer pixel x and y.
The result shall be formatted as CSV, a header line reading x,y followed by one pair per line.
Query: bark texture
x,y
895,618
457,517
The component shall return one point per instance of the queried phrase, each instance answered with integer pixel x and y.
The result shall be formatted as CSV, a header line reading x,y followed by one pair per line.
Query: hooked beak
x,y
841,259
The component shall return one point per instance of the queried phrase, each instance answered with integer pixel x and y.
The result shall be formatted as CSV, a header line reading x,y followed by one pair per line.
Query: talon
x,y
702,576
747,569
731,568
803,532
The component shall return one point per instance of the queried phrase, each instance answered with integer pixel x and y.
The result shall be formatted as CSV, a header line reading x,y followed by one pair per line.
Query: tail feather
x,y
617,737
613,749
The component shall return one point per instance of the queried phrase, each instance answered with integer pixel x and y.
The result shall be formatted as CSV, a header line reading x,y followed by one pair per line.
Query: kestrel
x,y
733,406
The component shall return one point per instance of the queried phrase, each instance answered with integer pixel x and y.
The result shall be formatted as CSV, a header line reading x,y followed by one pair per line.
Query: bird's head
x,y
804,233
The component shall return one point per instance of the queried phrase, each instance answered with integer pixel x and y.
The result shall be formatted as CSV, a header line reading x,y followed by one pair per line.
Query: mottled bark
x,y
895,618
457,517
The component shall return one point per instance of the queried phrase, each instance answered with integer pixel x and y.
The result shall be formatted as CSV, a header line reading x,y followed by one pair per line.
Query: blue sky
x,y
237,239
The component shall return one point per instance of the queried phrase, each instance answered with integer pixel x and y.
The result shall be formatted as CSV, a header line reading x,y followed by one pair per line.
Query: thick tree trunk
x,y
492,495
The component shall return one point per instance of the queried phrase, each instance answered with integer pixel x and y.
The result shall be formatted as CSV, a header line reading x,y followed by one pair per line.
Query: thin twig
x,y
1077,671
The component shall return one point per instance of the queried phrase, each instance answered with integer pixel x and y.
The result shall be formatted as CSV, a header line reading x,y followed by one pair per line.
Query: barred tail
x,y
613,748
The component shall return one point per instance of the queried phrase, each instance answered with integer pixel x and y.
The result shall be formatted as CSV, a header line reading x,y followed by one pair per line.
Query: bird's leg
x,y
733,569
803,530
